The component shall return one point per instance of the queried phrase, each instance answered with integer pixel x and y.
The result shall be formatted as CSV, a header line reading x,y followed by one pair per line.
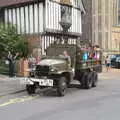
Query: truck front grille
x,y
42,70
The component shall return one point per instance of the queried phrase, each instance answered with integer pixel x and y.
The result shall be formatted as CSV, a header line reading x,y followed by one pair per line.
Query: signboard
x,y
66,17
66,13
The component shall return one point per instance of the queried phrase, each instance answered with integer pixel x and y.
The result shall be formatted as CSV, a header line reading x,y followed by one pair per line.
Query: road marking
x,y
1,96
18,100
10,92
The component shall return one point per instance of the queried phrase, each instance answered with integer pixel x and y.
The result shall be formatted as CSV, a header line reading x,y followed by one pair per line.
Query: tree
x,y
11,41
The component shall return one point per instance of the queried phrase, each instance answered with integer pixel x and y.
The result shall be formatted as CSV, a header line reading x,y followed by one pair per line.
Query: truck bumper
x,y
41,82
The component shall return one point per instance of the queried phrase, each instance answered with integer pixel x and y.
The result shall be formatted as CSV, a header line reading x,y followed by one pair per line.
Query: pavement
x,y
10,85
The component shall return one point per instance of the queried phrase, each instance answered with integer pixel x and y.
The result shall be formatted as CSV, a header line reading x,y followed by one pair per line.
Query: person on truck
x,y
31,62
65,53
85,56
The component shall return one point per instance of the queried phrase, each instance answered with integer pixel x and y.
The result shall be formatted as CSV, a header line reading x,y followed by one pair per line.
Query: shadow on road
x,y
52,92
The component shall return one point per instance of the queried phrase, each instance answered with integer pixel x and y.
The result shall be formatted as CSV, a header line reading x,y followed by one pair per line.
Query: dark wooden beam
x,y
20,19
53,32
24,21
12,16
38,17
28,19
33,18
2,19
16,18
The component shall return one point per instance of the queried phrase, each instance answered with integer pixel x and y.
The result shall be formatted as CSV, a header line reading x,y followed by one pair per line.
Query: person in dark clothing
x,y
11,64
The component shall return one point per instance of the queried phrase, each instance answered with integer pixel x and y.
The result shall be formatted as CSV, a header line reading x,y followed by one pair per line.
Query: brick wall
x,y
33,40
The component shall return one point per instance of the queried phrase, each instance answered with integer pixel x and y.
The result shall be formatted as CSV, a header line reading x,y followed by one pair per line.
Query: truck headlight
x,y
31,74
53,69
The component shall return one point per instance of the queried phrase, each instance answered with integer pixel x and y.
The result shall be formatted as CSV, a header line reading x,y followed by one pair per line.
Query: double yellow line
x,y
18,100
1,96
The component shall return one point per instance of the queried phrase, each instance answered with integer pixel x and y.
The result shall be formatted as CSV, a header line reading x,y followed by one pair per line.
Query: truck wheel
x,y
62,86
81,79
95,79
30,89
88,81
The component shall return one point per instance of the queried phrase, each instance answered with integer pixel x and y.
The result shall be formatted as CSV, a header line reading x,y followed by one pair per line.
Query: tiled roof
x,y
4,3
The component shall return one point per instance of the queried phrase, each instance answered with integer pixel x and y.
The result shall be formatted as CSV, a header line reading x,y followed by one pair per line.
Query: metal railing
x,y
90,63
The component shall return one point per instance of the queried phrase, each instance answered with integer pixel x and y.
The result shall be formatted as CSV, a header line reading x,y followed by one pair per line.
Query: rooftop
x,y
4,3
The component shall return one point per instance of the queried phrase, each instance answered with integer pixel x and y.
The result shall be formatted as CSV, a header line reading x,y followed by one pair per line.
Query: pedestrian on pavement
x,y
31,62
11,63
107,63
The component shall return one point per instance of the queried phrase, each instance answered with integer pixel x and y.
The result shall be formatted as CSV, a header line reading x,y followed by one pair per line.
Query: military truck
x,y
58,71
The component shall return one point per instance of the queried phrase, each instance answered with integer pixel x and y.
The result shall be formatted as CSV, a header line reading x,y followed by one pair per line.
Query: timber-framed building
x,y
41,21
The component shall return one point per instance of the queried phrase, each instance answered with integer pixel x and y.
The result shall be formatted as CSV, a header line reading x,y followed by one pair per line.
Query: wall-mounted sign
x,y
66,17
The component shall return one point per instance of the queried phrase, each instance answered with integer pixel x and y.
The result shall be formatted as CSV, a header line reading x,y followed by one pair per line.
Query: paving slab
x,y
9,85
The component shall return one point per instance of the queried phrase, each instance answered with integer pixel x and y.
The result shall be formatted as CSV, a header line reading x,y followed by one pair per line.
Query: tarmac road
x,y
100,103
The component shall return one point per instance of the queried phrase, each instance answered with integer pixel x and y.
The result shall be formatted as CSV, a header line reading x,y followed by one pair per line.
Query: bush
x,y
11,41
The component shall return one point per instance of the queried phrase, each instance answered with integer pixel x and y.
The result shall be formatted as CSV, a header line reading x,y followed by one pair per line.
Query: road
x,y
100,103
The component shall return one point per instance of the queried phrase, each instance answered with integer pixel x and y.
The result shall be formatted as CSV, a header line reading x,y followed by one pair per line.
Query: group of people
x,y
92,53
32,61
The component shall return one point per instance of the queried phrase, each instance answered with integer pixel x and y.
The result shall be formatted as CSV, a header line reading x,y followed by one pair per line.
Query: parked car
x,y
117,62
113,60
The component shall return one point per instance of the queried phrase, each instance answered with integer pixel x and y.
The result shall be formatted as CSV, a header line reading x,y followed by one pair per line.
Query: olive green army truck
x,y
58,71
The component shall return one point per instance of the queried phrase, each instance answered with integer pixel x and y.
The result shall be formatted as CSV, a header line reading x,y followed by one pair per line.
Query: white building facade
x,y
41,19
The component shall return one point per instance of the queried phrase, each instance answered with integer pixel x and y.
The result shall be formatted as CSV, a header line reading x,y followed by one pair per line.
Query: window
x,y
99,6
106,40
106,22
118,10
100,38
99,22
118,20
106,6
93,7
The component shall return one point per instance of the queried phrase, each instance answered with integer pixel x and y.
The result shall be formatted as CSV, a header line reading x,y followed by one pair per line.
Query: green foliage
x,y
11,41
21,47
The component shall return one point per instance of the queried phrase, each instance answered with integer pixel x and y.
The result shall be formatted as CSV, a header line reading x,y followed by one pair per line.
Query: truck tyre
x,y
81,79
30,89
88,79
62,86
95,79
